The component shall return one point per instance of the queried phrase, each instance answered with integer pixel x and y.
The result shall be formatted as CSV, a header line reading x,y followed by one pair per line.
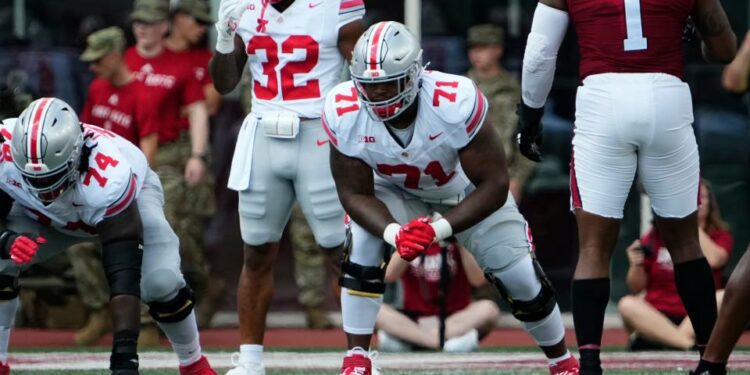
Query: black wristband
x,y
6,237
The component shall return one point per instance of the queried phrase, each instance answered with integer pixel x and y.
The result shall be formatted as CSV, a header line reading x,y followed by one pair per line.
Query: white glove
x,y
230,12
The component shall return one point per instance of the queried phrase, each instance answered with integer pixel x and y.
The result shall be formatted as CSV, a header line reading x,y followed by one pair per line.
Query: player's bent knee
x,y
363,281
526,310
175,309
8,288
161,284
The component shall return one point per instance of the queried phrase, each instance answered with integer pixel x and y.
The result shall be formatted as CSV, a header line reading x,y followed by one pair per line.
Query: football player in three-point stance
x,y
295,51
62,182
633,112
423,135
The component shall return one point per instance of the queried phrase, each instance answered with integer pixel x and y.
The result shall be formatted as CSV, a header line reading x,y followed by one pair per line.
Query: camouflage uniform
x,y
187,208
503,92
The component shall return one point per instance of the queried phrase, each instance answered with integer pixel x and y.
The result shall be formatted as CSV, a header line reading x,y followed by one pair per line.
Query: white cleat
x,y
245,368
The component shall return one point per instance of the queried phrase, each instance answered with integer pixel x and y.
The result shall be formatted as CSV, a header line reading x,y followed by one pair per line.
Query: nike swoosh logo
x,y
311,5
320,143
433,137
77,205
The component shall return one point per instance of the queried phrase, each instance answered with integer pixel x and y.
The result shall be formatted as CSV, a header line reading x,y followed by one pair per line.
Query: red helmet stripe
x,y
35,130
376,44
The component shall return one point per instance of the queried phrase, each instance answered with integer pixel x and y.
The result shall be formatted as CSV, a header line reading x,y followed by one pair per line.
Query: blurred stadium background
x,y
40,41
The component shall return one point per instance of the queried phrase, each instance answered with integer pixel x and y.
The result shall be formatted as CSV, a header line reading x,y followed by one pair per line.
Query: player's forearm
x,y
548,29
368,212
198,119
224,71
488,197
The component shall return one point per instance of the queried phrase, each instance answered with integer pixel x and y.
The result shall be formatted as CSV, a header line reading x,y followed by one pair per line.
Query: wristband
x,y
200,156
442,228
390,233
224,45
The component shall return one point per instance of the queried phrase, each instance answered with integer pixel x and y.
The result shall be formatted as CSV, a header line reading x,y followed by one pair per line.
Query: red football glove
x,y
414,238
23,248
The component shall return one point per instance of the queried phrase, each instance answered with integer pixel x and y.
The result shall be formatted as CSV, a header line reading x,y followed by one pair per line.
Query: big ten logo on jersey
x,y
297,55
366,139
5,138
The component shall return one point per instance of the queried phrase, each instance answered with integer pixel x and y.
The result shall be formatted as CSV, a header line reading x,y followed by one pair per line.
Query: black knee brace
x,y
124,358
174,310
8,287
537,308
364,281
122,265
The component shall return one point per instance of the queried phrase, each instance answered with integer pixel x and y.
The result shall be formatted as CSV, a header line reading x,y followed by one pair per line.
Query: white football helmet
x,y
46,147
387,52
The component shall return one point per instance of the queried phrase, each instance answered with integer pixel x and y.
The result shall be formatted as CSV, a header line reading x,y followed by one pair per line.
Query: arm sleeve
x,y
477,114
547,32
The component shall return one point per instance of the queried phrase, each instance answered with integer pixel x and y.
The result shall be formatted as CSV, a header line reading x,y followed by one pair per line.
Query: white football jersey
x,y
293,55
117,169
451,111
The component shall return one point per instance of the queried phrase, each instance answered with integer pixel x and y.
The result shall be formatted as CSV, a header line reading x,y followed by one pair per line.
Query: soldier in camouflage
x,y
502,89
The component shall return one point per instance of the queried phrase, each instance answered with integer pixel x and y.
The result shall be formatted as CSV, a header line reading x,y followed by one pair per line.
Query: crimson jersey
x,y
630,36
421,283
172,83
126,110
661,288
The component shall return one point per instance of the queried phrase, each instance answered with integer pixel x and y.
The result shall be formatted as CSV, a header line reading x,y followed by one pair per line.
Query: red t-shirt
x,y
661,289
198,58
173,86
630,36
125,110
421,283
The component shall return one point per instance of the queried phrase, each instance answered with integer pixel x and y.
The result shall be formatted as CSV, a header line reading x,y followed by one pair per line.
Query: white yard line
x,y
388,361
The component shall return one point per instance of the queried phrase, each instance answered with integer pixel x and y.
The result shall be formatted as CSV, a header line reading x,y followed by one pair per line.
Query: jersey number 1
x,y
634,27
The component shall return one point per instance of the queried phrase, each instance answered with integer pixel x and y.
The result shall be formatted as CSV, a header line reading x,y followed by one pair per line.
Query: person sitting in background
x,y
417,324
658,319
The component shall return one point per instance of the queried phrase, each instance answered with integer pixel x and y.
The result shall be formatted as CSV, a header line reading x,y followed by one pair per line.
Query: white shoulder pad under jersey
x,y
454,102
451,110
293,56
115,175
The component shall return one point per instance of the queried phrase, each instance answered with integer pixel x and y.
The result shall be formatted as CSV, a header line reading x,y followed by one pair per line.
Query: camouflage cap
x,y
102,42
150,11
484,34
198,9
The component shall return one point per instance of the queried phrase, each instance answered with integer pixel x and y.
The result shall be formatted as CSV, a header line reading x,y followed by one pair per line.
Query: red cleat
x,y
565,367
199,367
358,363
4,369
